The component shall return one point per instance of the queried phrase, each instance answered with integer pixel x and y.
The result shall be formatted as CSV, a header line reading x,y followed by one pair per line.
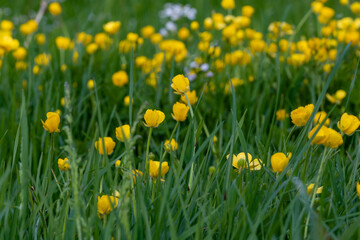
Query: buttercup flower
x,y
321,136
90,84
191,96
310,188
154,168
105,204
180,84
319,118
334,139
153,118
358,189
117,163
112,27
63,164
52,122
239,162
180,111
301,115
123,132
120,78
171,145
337,97
279,161
55,8
281,115
109,145
348,124
228,4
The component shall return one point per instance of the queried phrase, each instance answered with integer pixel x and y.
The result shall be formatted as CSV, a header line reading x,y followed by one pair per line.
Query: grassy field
x,y
261,99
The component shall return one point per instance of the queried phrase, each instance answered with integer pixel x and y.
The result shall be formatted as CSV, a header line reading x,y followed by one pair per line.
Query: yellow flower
x,y
171,145
40,38
112,27
147,31
91,84
6,25
348,124
247,11
120,78
194,25
228,4
310,188
334,139
301,115
63,164
136,174
52,122
337,97
123,132
102,40
239,162
281,115
127,100
109,145
105,204
180,111
63,43
117,163
321,135
183,33
180,84
279,161
29,27
154,167
153,118
91,48
55,8
19,53
358,189
191,96
319,118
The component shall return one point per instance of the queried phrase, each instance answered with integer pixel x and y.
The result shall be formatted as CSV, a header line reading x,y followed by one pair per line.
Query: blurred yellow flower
x,y
105,204
55,8
120,78
109,145
63,43
171,145
180,84
112,27
6,25
228,4
348,124
153,118
90,84
337,97
154,168
52,122
301,115
320,117
239,162
180,111
191,96
147,31
63,164
310,188
40,38
123,132
28,27
19,53
279,161
281,115
358,189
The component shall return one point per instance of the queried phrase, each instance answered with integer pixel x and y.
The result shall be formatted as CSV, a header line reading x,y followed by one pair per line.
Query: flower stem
x,y
188,102
321,169
147,153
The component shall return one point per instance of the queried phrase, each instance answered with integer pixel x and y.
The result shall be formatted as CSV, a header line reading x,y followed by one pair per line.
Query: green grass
x,y
38,201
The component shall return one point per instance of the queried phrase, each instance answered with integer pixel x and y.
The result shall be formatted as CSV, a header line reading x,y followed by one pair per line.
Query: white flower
x,y
204,67
163,32
171,26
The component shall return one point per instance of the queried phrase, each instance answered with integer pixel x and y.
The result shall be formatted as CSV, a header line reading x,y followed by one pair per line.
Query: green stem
x,y
153,191
188,102
52,149
322,165
147,153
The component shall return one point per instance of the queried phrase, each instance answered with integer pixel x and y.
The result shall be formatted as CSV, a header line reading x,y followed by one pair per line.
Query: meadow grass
x,y
202,196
